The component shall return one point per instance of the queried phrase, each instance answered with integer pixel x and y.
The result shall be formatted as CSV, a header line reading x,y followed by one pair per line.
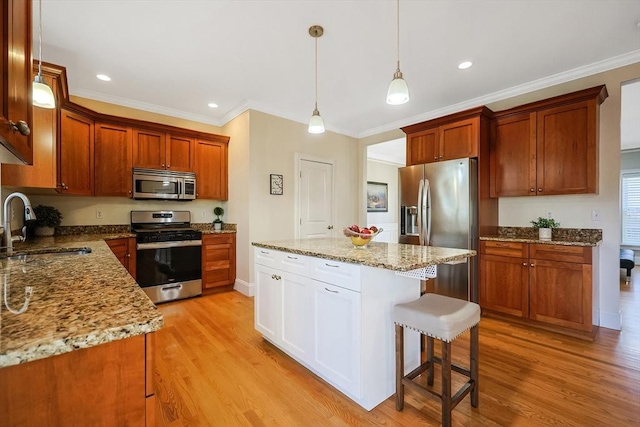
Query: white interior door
x,y
315,199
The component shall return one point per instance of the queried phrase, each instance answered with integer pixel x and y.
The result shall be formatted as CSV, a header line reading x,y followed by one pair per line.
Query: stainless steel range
x,y
168,255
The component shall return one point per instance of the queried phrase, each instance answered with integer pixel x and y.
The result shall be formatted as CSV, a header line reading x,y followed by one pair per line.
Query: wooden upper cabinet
x,y
422,147
15,87
456,136
180,153
211,170
547,147
75,154
149,149
44,171
113,160
513,156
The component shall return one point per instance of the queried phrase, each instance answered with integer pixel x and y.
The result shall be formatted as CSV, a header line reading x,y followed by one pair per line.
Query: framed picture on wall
x,y
377,197
276,184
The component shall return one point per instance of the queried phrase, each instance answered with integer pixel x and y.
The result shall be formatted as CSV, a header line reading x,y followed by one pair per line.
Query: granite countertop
x,y
78,301
559,236
390,256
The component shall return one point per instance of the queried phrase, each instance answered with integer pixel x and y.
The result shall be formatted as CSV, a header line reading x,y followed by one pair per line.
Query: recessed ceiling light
x,y
212,105
104,77
464,65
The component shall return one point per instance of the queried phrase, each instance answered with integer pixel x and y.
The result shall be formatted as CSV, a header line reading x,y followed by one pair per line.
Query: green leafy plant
x,y
47,216
218,212
545,223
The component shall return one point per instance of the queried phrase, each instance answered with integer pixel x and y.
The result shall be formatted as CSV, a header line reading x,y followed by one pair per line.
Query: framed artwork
x,y
377,197
276,186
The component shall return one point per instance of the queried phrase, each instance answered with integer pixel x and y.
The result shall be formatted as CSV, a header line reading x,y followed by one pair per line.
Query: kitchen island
x,y
82,350
329,306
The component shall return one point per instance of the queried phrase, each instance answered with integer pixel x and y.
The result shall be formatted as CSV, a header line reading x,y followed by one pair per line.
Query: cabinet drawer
x,y
285,261
510,249
217,239
561,253
336,273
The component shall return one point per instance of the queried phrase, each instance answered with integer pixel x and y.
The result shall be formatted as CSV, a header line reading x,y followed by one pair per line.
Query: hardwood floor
x,y
214,369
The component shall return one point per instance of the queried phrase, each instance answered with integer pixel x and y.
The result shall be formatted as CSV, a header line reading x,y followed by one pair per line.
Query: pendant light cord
x,y
398,31
316,69
40,38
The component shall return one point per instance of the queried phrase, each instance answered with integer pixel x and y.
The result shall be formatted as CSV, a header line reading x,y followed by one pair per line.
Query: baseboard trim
x,y
611,320
244,288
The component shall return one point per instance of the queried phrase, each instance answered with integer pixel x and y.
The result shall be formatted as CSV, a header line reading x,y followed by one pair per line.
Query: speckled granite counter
x,y
559,236
78,301
390,256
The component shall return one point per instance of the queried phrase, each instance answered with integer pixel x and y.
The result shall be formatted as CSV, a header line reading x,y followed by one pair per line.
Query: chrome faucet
x,y
7,240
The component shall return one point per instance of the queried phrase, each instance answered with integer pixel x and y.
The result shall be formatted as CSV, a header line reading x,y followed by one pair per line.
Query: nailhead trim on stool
x,y
445,319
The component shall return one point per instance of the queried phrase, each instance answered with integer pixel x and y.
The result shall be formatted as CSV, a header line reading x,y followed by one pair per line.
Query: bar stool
x,y
445,319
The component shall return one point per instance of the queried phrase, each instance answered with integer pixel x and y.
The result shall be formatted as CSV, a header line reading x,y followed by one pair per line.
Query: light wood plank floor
x,y
214,369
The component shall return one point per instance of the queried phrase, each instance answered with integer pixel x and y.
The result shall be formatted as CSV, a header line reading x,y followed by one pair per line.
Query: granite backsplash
x,y
593,235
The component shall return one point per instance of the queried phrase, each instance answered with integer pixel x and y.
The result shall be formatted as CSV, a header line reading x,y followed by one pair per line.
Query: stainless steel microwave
x,y
163,184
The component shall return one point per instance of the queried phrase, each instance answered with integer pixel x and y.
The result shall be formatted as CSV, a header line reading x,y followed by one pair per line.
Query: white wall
x,y
386,173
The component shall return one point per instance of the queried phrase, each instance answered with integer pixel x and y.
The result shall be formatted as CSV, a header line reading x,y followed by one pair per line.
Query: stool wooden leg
x,y
446,384
475,393
430,360
399,367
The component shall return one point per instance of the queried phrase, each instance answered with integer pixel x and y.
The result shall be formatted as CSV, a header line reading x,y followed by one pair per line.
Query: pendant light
x,y
42,94
316,124
398,92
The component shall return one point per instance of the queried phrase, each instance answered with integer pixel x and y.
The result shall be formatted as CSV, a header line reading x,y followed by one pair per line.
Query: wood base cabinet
x,y
109,384
550,284
218,262
125,250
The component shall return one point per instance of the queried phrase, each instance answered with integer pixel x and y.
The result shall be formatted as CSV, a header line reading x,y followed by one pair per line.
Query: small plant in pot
x,y
217,223
544,226
47,219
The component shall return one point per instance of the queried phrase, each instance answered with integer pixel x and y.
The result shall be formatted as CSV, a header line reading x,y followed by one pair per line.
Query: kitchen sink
x,y
50,253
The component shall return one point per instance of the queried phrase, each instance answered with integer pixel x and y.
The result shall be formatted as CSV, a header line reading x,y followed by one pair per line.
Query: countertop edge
x,y
537,241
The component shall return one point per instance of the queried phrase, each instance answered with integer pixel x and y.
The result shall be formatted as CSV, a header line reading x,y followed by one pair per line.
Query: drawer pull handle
x,y
502,245
331,265
275,277
332,291
292,257
264,252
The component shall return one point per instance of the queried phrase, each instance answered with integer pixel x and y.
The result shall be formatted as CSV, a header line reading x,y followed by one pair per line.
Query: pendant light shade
x,y
316,124
398,92
42,94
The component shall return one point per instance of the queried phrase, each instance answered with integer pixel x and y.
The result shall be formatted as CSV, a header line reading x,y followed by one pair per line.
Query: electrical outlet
x,y
204,214
549,214
595,215
98,214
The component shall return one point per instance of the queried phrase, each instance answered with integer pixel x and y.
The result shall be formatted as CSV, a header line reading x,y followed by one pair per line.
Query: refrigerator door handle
x,y
420,216
426,202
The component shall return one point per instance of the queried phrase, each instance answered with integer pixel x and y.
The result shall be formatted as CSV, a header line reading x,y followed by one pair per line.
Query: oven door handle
x,y
164,245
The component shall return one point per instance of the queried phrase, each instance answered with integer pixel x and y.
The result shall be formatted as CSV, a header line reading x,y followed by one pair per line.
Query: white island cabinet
x,y
335,317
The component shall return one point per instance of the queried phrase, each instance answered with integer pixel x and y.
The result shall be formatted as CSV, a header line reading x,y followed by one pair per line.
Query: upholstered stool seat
x,y
442,318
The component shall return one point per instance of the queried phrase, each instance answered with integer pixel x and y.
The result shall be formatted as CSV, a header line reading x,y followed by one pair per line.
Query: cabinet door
x,y
561,294
125,250
149,150
567,152
504,284
513,156
422,147
297,316
336,329
459,140
113,160
180,153
218,260
75,154
211,170
44,172
15,89
268,302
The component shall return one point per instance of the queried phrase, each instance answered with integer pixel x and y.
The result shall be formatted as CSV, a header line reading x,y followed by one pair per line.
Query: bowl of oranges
x,y
360,237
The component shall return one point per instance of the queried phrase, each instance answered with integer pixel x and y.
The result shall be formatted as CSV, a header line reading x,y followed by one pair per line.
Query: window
x,y
630,211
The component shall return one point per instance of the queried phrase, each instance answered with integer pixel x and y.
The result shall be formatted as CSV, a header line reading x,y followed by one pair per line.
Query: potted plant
x,y
47,219
544,226
217,223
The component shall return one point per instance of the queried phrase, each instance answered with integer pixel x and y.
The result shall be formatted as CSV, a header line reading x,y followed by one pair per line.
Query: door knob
x,y
329,227
21,127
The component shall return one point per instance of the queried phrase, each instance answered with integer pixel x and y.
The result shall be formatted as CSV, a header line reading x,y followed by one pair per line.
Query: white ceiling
x,y
175,56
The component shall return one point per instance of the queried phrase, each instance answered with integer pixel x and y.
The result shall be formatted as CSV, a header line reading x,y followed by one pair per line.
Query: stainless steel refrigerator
x,y
439,207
